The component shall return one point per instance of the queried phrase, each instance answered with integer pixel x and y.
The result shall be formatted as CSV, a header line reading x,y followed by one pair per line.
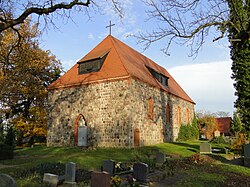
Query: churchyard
x,y
168,164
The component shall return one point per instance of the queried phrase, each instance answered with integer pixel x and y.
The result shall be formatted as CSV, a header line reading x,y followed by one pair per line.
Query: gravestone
x,y
205,148
247,155
7,181
51,179
70,172
109,166
70,175
100,179
83,136
160,158
140,172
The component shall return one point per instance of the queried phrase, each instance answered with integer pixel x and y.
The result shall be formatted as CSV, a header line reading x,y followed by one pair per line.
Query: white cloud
x,y
124,23
208,84
91,36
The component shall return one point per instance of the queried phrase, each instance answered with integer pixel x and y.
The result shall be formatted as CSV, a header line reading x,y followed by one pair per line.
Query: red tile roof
x,y
121,62
223,124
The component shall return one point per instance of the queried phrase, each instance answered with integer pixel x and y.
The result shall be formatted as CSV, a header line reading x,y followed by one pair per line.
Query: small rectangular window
x,y
91,65
160,77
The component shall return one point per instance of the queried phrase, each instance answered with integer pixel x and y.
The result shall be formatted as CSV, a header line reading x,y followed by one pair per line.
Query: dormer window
x,y
160,77
93,64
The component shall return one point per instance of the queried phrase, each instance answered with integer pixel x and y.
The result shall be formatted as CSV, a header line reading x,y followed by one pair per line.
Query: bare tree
x,y
186,22
222,114
191,21
15,12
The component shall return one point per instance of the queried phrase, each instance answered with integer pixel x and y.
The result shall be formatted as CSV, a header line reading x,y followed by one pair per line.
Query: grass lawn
x,y
186,172
92,159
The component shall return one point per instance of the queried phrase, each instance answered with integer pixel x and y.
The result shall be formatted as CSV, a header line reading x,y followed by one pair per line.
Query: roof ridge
x,y
112,38
121,61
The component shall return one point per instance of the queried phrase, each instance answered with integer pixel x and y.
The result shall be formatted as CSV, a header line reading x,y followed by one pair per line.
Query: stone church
x,y
116,97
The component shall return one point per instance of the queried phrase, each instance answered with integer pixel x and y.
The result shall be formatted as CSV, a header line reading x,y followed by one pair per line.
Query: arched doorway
x,y
80,131
136,138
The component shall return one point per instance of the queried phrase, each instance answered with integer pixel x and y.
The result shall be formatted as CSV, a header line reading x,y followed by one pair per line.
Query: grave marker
x,y
247,155
160,158
205,148
70,174
140,171
100,179
51,179
7,181
109,166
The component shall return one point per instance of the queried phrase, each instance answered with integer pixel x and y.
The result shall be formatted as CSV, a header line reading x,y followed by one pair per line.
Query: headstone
x,y
7,181
100,179
217,133
160,158
205,148
51,179
69,184
70,172
140,171
109,166
247,155
83,136
70,175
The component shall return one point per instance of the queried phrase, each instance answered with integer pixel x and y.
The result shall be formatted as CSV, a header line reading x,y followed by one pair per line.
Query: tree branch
x,y
185,22
40,11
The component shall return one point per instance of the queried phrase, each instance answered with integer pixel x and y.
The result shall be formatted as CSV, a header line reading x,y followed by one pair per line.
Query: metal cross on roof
x,y
110,25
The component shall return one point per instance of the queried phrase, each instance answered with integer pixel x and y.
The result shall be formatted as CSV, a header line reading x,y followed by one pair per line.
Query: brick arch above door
x,y
76,125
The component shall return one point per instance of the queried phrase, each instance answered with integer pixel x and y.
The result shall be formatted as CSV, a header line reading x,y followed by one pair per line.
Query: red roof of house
x,y
223,124
121,62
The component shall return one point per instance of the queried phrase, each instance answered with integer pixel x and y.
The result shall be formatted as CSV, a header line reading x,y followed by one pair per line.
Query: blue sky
x,y
206,78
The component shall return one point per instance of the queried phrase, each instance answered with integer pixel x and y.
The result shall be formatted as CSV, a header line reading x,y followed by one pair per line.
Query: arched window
x,y
179,116
151,108
187,116
168,113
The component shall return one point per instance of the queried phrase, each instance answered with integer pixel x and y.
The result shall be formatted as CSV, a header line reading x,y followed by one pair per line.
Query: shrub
x,y
10,137
6,152
219,140
238,143
189,132
184,133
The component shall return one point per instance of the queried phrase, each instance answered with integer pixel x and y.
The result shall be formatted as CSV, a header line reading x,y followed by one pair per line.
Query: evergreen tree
x,y
236,125
239,36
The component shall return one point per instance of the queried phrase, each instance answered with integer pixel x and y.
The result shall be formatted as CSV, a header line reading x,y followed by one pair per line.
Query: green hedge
x,y
6,152
188,132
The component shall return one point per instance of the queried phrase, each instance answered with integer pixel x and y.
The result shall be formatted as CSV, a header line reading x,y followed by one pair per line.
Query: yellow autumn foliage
x,y
25,72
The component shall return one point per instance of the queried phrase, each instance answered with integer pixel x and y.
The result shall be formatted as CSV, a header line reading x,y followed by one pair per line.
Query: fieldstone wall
x,y
157,130
113,110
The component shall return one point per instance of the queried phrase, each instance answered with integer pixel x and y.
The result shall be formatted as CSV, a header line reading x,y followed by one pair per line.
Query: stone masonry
x,y
113,110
